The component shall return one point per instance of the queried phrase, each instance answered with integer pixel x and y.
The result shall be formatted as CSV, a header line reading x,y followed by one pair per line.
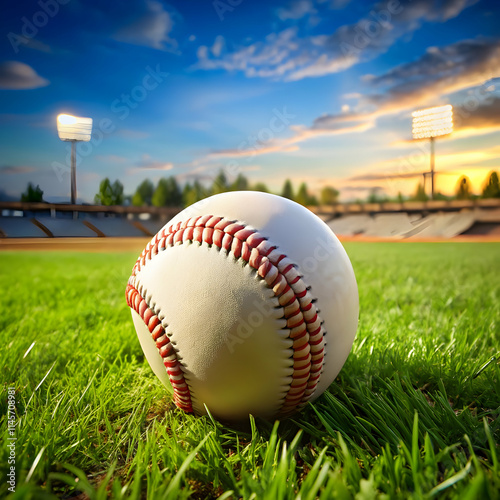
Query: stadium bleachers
x,y
20,227
446,225
72,228
401,225
114,226
389,225
151,227
398,225
350,225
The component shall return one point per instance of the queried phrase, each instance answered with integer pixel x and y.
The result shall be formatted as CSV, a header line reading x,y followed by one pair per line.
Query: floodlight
x,y
431,123
74,129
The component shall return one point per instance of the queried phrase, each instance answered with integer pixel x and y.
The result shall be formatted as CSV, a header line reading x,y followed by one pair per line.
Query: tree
x,y
302,195
143,194
287,190
105,195
463,190
420,194
329,195
117,189
260,186
492,186
160,196
167,193
220,184
32,193
109,194
192,194
240,183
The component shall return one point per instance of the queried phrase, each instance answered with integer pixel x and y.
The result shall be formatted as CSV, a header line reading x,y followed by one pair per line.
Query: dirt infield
x,y
75,244
138,244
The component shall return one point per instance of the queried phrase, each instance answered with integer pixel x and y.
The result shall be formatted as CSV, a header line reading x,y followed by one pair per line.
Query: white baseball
x,y
245,303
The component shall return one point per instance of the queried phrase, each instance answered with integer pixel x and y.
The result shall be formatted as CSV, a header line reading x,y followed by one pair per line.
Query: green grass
x,y
413,414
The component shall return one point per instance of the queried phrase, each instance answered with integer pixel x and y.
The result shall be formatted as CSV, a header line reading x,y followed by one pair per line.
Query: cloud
x,y
336,4
468,63
147,163
441,71
384,176
414,164
16,170
481,111
150,25
297,10
289,57
15,75
349,189
289,144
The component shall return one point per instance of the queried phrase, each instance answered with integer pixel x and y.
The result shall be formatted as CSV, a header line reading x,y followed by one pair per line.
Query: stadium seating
x,y
73,228
350,225
20,227
444,225
114,226
389,225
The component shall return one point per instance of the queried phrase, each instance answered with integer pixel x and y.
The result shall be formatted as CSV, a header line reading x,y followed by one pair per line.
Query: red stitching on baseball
x,y
182,397
279,273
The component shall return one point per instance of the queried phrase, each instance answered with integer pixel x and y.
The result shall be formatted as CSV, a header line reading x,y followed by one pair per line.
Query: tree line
x,y
463,190
169,193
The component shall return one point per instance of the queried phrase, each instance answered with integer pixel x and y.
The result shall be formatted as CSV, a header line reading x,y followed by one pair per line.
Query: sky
x,y
316,91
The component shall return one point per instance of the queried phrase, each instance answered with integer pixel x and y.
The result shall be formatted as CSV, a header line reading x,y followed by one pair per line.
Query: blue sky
x,y
319,91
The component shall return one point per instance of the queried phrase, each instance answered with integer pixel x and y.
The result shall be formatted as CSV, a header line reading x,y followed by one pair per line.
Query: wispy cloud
x,y
148,163
288,144
15,75
16,170
412,166
441,71
288,56
297,10
148,24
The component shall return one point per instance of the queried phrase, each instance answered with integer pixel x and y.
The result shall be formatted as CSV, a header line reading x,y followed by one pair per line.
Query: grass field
x,y
415,412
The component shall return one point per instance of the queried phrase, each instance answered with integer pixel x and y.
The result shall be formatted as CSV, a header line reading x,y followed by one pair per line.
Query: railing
x,y
337,209
53,208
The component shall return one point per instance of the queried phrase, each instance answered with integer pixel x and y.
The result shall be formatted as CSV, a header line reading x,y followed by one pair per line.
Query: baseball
x,y
244,303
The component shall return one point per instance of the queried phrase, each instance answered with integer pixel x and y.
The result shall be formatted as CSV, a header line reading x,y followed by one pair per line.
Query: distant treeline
x,y
168,192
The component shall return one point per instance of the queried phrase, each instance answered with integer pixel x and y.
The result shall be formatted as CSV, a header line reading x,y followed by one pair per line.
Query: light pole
x,y
74,129
431,123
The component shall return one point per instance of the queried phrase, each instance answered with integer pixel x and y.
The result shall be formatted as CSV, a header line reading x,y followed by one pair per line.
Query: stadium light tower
x,y
432,123
74,129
